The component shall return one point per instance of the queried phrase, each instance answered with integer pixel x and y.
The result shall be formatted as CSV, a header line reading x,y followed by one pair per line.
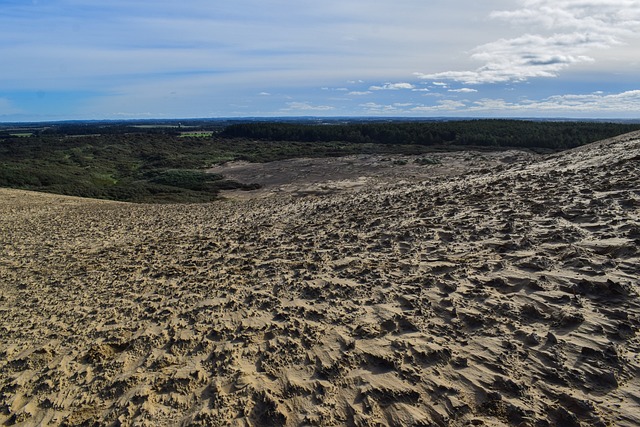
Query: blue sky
x,y
80,59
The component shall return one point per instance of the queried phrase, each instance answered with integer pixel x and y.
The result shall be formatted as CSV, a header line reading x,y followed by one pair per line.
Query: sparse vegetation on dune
x,y
138,167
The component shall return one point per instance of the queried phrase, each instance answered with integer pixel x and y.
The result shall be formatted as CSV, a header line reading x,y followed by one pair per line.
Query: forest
x,y
166,162
467,133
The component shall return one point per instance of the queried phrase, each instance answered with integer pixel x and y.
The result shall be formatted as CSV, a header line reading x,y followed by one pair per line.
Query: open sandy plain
x,y
503,292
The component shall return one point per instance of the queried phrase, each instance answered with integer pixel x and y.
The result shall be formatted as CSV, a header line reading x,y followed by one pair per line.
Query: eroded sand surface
x,y
321,176
503,296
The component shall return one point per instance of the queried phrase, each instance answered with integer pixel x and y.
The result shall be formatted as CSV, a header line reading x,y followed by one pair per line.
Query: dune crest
x,y
507,295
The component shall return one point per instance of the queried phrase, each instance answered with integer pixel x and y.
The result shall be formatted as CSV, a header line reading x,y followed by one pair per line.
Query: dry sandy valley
x,y
485,289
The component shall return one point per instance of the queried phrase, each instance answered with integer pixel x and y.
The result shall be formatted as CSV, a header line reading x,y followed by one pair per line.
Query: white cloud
x,y
360,93
570,105
615,105
615,17
577,28
463,90
628,101
444,105
449,104
376,108
306,106
371,105
393,86
124,115
264,94
524,57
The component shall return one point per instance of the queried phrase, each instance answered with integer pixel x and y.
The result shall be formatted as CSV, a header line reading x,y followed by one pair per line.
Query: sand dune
x,y
507,295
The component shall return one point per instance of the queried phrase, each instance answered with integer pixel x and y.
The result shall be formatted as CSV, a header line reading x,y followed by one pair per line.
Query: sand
x,y
321,176
500,295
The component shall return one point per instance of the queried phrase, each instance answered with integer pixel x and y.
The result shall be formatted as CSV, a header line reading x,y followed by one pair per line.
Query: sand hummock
x,y
498,295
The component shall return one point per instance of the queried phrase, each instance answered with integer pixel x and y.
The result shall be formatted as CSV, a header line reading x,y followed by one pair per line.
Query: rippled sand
x,y
501,295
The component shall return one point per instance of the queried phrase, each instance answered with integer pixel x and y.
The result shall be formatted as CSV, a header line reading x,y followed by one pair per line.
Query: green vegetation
x,y
196,134
468,133
162,162
141,167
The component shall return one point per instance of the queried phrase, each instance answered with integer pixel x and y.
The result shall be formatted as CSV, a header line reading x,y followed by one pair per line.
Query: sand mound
x,y
505,296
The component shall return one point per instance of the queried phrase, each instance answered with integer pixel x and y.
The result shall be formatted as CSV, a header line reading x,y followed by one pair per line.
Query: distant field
x,y
156,126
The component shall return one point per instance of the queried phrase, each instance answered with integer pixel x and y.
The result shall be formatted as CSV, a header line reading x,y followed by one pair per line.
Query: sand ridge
x,y
503,296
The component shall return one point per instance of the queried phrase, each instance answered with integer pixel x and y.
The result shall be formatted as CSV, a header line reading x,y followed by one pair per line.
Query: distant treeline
x,y
481,133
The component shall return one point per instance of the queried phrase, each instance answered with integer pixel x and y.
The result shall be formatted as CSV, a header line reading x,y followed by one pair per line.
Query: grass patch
x,y
103,179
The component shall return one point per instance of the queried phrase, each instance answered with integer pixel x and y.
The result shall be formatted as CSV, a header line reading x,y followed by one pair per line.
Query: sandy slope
x,y
502,297
321,176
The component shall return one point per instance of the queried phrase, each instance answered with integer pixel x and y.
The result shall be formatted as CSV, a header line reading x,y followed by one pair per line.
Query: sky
x,y
137,59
